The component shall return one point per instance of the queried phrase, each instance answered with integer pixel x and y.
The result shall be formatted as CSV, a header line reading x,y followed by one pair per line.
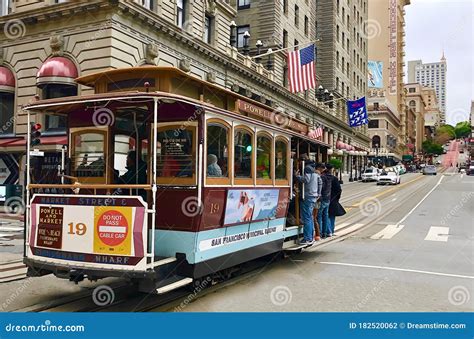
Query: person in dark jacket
x,y
323,216
335,208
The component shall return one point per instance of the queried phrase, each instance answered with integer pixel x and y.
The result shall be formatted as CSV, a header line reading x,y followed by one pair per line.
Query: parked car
x,y
370,174
470,169
438,162
429,170
388,177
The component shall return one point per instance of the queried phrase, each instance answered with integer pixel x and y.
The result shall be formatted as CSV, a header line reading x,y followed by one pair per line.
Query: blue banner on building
x,y
357,112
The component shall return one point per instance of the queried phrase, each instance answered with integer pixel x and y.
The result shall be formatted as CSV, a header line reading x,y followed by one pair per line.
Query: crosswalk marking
x,y
388,232
437,233
341,225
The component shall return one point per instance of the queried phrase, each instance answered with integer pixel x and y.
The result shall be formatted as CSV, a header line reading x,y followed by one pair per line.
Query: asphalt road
x,y
413,253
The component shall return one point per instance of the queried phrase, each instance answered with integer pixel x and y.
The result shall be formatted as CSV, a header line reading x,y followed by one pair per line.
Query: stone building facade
x,y
44,44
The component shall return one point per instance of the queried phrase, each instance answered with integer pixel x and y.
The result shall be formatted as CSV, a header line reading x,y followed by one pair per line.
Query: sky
x,y
434,25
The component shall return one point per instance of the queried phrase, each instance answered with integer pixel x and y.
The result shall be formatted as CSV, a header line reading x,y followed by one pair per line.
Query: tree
x,y
336,163
462,129
446,129
431,147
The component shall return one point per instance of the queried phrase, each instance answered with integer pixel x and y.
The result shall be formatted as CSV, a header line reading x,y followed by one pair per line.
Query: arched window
x,y
375,141
412,103
7,101
243,155
264,158
217,144
55,79
281,160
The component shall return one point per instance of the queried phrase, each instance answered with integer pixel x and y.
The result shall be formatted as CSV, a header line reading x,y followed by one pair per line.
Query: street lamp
x,y
331,102
351,155
259,45
360,165
320,92
326,95
233,37
246,48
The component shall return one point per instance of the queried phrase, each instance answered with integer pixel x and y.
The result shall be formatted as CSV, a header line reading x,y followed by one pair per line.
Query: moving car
x,y
429,170
470,169
388,177
370,174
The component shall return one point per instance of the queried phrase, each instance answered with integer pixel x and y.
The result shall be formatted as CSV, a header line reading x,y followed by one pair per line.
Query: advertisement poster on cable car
x,y
246,205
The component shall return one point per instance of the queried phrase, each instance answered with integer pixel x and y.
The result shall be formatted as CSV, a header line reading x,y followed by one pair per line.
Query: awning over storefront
x,y
5,142
57,70
7,80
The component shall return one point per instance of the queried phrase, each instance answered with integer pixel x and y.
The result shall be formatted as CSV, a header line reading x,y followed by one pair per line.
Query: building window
x,y
337,33
4,7
285,39
411,90
148,4
337,83
180,13
285,76
243,4
376,106
296,44
297,16
208,29
306,25
240,35
343,39
343,15
285,7
373,123
337,6
347,45
343,64
7,111
337,59
56,123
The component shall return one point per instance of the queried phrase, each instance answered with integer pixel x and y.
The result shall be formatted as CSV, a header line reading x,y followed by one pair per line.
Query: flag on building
x,y
301,69
316,133
357,111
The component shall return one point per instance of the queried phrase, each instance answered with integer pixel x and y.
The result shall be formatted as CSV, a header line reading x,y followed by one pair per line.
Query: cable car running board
x,y
174,285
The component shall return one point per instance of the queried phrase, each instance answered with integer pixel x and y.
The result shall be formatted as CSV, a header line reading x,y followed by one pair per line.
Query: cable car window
x,y
264,155
217,150
243,153
88,159
176,152
281,161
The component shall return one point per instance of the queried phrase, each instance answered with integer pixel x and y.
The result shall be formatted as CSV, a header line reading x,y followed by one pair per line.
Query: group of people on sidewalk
x,y
321,195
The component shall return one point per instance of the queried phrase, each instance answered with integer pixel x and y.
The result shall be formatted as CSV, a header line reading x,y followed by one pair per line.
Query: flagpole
x,y
284,49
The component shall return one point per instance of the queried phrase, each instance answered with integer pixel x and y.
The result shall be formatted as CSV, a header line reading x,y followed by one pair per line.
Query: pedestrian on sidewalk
x,y
323,216
335,208
312,191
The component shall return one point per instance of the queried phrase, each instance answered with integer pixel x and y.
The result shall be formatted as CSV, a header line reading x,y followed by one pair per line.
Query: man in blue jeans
x,y
323,212
312,191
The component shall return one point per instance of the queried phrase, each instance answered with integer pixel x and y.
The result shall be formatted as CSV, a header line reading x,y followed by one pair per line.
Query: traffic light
x,y
35,134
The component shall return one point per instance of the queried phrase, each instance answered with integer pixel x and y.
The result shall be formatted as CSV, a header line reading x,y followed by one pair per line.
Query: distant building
x,y
386,94
417,104
432,75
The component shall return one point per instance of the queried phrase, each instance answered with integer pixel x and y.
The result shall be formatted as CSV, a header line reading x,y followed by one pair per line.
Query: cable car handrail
x,y
89,186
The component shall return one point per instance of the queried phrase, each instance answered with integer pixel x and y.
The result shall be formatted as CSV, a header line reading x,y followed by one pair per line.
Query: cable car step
x,y
172,284
160,261
297,247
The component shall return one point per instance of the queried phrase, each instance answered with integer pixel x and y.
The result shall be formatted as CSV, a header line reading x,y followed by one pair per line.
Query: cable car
x,y
166,179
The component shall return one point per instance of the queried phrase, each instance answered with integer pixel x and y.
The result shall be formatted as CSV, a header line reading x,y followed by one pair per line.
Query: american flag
x,y
301,69
316,133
